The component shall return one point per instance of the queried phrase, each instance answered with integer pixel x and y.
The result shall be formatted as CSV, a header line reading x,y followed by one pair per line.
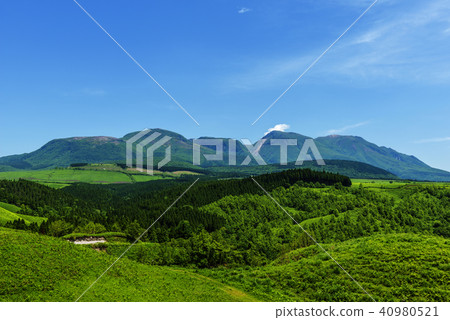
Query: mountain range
x,y
101,149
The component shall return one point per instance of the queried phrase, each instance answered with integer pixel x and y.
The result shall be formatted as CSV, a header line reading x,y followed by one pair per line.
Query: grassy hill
x,y
395,267
8,213
9,207
40,268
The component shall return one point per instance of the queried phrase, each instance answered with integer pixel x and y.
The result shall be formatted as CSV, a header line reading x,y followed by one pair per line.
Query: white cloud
x,y
346,128
433,140
244,10
264,73
279,127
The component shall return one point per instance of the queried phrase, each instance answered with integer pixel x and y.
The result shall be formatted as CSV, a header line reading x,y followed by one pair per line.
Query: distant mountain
x,y
357,149
101,149
63,152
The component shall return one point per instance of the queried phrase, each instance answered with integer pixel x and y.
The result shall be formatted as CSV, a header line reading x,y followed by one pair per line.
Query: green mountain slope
x,y
357,149
40,268
352,169
63,152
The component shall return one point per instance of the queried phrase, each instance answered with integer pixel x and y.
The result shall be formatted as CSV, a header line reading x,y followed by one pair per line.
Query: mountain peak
x,y
159,130
103,139
284,135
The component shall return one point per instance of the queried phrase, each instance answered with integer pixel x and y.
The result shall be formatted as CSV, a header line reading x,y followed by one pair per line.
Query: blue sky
x,y
226,61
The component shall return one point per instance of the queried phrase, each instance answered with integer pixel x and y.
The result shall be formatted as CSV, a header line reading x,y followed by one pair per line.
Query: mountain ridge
x,y
104,149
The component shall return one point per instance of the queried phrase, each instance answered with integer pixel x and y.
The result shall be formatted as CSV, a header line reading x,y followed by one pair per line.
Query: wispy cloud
x,y
278,127
444,139
346,128
267,72
396,41
244,10
407,44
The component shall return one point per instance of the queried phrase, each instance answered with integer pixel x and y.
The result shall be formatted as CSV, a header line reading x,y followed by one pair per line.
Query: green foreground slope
x,y
395,267
40,268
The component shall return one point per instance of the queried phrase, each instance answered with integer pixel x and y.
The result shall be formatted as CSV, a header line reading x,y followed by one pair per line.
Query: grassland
x,y
107,235
9,207
59,178
396,188
394,184
8,213
40,268
91,173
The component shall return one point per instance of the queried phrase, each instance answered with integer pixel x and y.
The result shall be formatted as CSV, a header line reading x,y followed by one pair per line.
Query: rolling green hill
x,y
40,268
9,207
9,216
395,267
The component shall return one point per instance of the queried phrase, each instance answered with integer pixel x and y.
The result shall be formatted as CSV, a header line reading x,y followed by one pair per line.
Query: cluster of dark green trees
x,y
134,207
22,225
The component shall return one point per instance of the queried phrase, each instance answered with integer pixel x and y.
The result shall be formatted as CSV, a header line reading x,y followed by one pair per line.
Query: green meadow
x,y
59,178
